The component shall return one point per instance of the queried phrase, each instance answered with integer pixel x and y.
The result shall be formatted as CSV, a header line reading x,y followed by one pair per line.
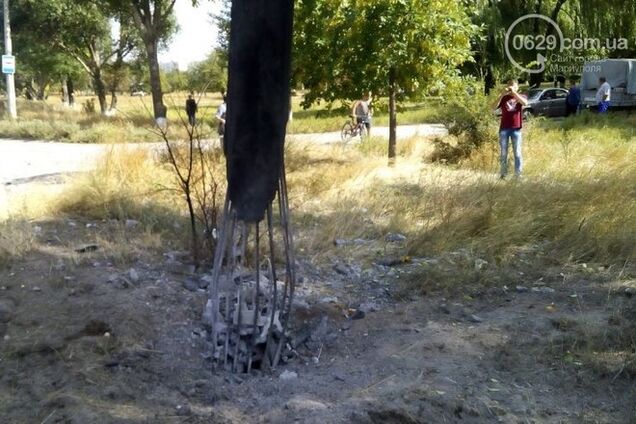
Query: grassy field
x,y
575,203
324,118
132,122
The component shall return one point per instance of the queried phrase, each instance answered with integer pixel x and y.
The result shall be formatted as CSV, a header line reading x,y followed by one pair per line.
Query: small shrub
x,y
16,239
471,122
89,106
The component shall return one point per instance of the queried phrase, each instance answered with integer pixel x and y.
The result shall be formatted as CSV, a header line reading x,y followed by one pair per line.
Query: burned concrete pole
x,y
249,308
257,102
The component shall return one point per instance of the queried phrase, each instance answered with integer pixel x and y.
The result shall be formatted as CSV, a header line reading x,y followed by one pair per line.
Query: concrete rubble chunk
x,y
298,404
543,289
133,275
183,410
341,269
395,238
354,242
131,223
208,278
391,261
191,284
7,310
629,291
177,255
367,307
480,264
288,375
329,299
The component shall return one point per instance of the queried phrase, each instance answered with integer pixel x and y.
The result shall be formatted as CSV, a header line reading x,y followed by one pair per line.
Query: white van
x,y
621,76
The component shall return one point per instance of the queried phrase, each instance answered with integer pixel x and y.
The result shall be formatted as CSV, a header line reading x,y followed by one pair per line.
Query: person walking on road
x,y
511,104
191,109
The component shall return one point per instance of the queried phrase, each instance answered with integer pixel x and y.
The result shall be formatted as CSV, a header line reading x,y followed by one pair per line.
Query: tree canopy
x,y
67,29
389,47
395,48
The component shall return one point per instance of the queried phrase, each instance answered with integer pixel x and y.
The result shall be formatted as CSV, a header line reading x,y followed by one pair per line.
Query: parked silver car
x,y
546,101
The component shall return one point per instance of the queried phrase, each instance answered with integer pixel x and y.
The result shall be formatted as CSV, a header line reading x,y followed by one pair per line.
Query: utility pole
x,y
8,64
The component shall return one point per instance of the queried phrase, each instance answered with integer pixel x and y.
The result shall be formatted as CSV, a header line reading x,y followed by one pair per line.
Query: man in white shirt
x,y
603,95
220,119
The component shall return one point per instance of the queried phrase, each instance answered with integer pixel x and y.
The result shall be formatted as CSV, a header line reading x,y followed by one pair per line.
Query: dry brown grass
x,y
16,239
577,200
582,204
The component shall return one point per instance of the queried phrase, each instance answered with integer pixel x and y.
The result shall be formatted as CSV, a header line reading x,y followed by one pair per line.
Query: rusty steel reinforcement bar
x,y
240,339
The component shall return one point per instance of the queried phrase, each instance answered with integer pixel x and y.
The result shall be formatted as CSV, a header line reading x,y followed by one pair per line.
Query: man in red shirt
x,y
511,104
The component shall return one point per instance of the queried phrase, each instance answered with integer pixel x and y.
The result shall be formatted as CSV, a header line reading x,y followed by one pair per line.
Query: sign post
x,y
8,64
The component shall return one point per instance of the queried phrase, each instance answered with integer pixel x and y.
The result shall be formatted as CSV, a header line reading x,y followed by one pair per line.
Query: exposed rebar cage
x,y
249,308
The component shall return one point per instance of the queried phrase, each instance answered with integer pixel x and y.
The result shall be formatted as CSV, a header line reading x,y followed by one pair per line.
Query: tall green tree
x,y
209,74
81,30
155,22
390,47
222,21
40,66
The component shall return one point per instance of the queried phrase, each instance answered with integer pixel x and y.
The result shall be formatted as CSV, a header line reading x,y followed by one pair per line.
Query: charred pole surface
x,y
249,308
258,102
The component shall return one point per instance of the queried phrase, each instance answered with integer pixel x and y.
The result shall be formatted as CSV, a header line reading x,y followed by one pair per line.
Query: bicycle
x,y
351,129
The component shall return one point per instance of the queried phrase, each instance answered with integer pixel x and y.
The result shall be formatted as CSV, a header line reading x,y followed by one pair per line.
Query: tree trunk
x,y
193,225
489,80
41,95
30,90
113,100
537,79
155,80
117,68
65,98
392,117
71,92
100,90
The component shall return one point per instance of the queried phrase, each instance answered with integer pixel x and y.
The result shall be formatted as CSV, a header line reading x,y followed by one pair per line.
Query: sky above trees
x,y
197,34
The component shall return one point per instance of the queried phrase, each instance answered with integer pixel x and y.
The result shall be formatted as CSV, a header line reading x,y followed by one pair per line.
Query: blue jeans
x,y
504,136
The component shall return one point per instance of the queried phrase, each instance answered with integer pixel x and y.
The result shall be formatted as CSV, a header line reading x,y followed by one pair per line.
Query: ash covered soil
x,y
87,336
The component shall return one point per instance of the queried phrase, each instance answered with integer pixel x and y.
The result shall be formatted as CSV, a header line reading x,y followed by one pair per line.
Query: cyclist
x,y
362,111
